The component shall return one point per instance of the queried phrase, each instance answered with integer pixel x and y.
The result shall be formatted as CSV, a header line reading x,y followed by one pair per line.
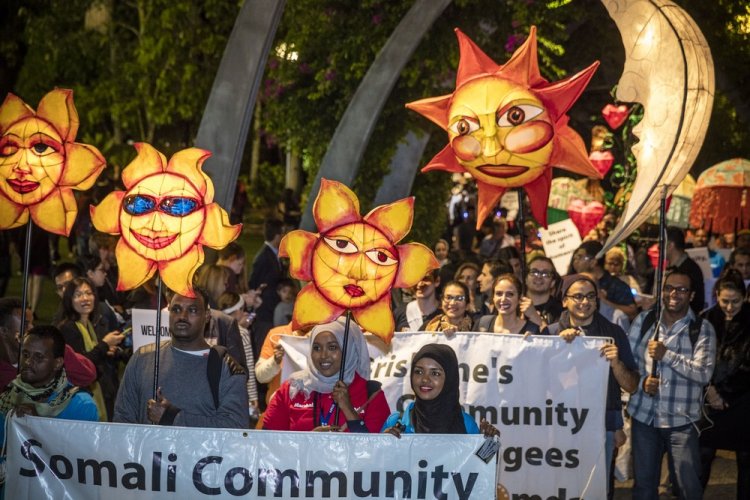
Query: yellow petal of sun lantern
x,y
335,205
85,163
218,232
149,161
394,219
311,308
416,261
377,319
56,213
300,244
12,110
101,215
12,214
39,180
193,158
57,108
138,270
178,274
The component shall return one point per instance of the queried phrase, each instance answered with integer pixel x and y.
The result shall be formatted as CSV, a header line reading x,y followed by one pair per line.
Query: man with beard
x,y
673,370
423,308
580,317
42,388
205,386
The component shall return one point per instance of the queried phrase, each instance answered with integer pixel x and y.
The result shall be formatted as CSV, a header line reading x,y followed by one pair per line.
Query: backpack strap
x,y
694,330
213,370
648,321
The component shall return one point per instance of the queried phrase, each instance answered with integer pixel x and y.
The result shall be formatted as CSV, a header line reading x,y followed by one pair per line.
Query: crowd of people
x,y
679,384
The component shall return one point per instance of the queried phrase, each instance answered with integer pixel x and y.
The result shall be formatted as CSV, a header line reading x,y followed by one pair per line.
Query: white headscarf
x,y
357,361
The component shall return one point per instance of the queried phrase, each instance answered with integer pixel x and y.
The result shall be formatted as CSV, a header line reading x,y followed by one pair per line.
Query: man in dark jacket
x,y
580,317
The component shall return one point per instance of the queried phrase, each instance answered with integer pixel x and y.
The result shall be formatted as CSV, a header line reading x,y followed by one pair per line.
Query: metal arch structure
x,y
344,155
229,110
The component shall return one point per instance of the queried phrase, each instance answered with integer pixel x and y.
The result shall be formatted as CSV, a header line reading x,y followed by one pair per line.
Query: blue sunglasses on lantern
x,y
176,206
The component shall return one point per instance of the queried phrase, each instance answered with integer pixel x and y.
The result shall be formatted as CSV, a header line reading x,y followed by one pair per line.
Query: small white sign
x,y
701,257
560,240
144,326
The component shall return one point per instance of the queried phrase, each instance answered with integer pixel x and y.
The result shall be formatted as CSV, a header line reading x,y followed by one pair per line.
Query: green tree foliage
x,y
141,69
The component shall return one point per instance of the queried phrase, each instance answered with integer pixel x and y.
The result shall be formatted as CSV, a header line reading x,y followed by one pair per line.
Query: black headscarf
x,y
442,415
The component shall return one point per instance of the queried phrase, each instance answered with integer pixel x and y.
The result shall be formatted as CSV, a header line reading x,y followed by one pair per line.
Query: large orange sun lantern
x,y
164,217
507,125
354,261
40,165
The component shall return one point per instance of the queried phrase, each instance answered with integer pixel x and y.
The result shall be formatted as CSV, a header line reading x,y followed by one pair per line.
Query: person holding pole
x,y
198,386
675,356
318,398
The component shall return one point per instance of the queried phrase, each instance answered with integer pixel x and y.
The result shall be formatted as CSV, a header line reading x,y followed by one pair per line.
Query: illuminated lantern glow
x,y
41,165
355,261
164,217
507,125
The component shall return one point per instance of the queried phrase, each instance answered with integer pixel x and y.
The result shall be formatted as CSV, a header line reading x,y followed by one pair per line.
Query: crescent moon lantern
x,y
669,70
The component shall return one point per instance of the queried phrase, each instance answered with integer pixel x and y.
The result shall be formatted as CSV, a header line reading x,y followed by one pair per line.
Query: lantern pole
x,y
660,267
25,290
157,345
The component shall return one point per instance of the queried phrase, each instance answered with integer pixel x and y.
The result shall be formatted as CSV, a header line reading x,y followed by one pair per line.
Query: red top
x,y
285,414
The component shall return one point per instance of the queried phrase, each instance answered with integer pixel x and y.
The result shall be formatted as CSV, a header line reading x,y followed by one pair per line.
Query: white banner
x,y
144,326
56,459
546,396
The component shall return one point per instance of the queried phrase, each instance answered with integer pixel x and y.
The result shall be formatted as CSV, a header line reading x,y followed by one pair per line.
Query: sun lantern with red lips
x,y
507,125
355,261
165,217
41,165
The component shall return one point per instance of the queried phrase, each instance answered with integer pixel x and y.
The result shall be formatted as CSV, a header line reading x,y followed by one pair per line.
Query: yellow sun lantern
x,y
164,218
354,261
507,125
40,165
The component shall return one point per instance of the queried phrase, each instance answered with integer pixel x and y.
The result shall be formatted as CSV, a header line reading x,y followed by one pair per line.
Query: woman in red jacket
x,y
315,398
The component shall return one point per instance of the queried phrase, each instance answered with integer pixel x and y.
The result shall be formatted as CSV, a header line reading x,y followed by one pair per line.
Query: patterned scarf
x,y
19,393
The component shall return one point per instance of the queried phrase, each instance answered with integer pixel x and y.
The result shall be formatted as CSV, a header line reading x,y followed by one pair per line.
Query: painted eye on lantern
x,y
517,115
178,206
464,126
380,257
138,204
8,147
341,245
42,148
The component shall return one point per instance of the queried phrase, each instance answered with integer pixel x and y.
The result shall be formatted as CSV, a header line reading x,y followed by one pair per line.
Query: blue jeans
x,y
649,444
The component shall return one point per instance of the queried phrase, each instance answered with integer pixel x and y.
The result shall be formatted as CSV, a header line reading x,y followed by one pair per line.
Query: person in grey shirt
x,y
185,396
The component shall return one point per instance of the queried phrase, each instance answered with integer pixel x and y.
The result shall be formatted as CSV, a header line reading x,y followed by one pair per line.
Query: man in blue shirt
x,y
667,406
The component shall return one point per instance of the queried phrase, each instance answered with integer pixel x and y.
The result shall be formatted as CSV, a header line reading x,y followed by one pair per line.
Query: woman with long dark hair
x,y
85,330
728,394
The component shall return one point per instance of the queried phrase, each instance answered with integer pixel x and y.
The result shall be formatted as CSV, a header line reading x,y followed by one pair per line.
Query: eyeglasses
x,y
582,256
82,294
578,297
536,273
679,290
454,298
177,206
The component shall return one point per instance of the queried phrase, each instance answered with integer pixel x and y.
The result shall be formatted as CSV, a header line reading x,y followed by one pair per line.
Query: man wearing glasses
x,y
580,317
539,305
665,408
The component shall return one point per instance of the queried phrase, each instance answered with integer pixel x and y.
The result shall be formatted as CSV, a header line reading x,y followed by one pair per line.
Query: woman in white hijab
x,y
315,398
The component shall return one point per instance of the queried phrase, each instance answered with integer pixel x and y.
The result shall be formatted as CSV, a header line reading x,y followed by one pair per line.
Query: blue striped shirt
x,y
683,372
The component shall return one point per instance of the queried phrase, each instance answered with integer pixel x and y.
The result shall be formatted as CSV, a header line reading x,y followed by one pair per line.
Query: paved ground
x,y
722,485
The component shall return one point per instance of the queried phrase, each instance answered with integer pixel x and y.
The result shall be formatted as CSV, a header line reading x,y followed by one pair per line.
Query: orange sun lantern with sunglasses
x,y
164,218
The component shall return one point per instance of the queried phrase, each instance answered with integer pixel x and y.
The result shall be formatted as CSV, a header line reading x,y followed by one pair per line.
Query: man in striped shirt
x,y
667,405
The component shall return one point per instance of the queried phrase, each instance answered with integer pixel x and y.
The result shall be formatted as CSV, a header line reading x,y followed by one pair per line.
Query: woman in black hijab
x,y
435,409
